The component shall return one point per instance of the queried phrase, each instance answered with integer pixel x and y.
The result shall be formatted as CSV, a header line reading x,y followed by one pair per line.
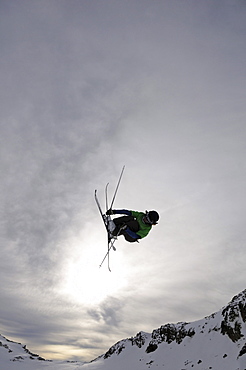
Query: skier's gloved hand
x,y
110,212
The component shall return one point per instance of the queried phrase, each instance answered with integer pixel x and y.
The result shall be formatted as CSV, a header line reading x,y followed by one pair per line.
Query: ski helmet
x,y
152,217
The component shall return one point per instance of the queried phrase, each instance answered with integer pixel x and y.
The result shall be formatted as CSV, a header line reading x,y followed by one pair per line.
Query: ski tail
x,y
117,187
106,195
107,218
110,246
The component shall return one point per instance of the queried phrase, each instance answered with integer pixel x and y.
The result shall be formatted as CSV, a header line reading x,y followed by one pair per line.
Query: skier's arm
x,y
121,212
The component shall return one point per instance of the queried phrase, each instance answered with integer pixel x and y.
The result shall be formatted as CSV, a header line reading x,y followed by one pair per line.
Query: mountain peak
x,y
13,351
217,341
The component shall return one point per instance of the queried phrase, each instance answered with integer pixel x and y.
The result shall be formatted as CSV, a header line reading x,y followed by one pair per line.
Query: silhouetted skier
x,y
135,225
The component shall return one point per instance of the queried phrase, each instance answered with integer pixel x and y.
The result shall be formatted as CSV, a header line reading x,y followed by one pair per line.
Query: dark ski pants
x,y
130,222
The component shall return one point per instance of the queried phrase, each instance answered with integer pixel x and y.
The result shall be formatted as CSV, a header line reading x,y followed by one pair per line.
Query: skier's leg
x,y
128,238
133,225
119,222
122,220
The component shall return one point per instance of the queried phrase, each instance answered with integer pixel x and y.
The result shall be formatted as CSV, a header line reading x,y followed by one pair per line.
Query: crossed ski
x,y
106,218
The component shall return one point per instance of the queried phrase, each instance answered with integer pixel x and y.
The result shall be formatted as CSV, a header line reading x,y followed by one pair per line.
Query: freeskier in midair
x,y
134,225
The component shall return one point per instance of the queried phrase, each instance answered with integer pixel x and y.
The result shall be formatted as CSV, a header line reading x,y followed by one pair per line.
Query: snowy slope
x,y
16,356
216,342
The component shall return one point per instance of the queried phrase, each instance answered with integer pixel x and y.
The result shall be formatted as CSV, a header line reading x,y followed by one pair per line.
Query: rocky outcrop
x,y
169,333
234,316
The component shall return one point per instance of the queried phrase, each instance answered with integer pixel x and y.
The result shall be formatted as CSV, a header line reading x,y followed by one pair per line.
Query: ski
x,y
106,219
117,187
106,196
110,245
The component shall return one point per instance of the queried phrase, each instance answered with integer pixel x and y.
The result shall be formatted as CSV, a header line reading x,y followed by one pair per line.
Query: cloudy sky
x,y
88,86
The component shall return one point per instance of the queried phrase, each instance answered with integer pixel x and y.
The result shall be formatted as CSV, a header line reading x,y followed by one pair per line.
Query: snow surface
x,y
216,342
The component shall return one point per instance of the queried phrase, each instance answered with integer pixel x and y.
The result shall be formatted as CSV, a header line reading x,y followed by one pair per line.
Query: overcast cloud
x,y
90,86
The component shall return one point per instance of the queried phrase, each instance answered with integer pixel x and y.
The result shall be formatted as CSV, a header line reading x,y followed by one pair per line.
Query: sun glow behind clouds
x,y
85,282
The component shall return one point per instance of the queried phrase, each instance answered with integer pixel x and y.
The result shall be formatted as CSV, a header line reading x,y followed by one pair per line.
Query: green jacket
x,y
144,228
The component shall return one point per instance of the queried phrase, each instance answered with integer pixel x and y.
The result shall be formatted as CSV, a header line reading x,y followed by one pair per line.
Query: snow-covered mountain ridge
x,y
16,356
216,342
17,350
